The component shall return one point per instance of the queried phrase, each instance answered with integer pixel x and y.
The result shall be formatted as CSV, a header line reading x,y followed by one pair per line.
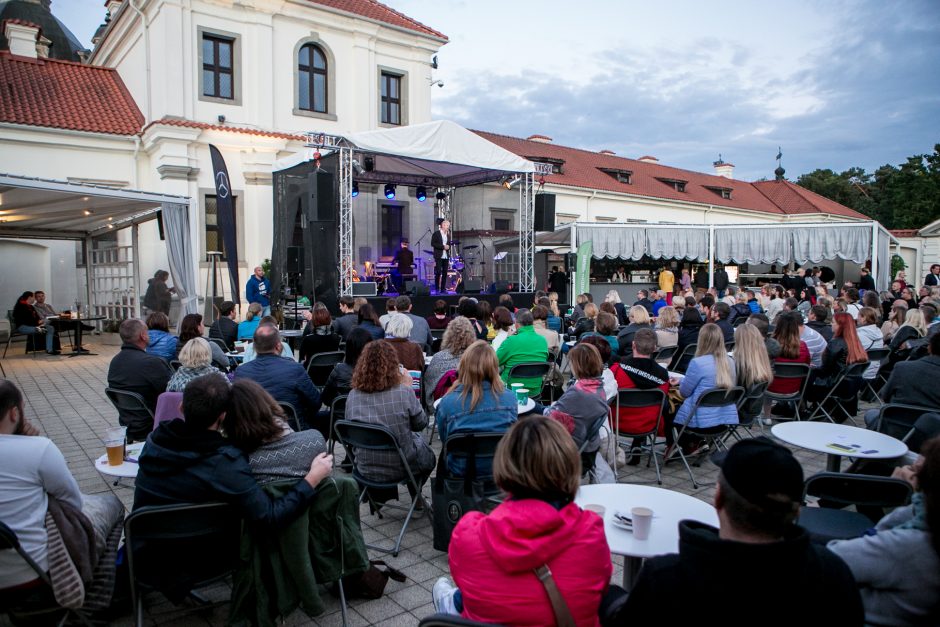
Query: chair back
x,y
633,398
729,345
125,401
471,446
878,354
751,404
359,435
9,540
219,342
176,364
530,370
682,361
790,370
897,420
593,430
926,427
321,365
720,397
856,370
841,489
665,354
168,408
738,321
290,414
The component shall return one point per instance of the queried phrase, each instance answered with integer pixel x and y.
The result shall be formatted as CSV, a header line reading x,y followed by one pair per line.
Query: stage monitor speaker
x,y
365,288
320,206
417,288
501,287
545,212
295,259
472,286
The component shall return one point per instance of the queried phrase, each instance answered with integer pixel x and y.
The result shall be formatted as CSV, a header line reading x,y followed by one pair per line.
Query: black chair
x,y
290,414
791,371
321,365
925,428
632,398
337,413
358,435
665,354
30,611
531,370
128,402
176,549
436,335
845,389
589,458
220,343
715,397
451,620
176,364
738,321
836,490
879,356
750,409
897,419
31,345
470,447
681,361
729,345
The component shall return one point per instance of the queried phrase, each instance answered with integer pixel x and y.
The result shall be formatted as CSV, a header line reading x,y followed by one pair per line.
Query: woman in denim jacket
x,y
479,402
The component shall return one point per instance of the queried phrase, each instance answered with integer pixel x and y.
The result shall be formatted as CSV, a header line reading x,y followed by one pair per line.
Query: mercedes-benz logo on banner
x,y
221,184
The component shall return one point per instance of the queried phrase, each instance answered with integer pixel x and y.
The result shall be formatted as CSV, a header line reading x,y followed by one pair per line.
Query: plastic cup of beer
x,y
642,521
114,440
522,396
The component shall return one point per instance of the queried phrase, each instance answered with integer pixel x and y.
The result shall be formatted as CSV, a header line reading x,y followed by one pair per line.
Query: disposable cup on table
x,y
522,396
596,508
642,521
114,443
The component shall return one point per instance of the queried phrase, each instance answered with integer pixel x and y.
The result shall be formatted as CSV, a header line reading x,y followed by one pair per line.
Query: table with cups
x,y
642,521
838,441
120,458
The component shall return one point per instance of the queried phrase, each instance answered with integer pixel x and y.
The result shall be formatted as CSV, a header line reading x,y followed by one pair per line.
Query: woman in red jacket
x,y
493,558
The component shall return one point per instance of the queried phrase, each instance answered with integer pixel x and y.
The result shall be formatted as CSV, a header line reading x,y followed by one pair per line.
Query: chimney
x,y
542,139
723,168
648,159
23,38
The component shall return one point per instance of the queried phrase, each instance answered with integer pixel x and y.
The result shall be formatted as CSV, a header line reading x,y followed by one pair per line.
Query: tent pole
x,y
345,221
527,234
874,252
87,247
135,251
711,256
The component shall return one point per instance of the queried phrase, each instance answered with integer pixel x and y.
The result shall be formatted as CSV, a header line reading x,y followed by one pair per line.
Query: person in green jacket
x,y
526,346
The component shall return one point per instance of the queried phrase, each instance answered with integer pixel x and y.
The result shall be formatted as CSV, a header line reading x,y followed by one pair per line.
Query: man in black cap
x,y
758,559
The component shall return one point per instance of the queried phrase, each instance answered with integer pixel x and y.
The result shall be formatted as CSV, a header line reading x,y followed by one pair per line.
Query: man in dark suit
x,y
440,242
405,259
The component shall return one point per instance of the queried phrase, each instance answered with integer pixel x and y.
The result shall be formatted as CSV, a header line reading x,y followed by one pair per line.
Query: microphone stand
x,y
418,260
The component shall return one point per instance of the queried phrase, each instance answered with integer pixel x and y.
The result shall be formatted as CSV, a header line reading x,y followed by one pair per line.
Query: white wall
x,y
47,265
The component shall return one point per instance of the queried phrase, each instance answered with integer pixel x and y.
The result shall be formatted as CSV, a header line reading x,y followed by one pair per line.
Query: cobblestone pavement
x,y
65,397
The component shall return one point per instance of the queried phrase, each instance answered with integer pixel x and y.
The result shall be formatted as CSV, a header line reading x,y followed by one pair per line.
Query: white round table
x,y
520,409
838,441
127,470
668,507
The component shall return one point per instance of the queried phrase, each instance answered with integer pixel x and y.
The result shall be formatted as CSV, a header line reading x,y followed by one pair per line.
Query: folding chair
x,y
531,370
176,364
358,435
471,446
321,365
589,459
632,398
896,419
879,355
729,346
840,392
176,549
220,343
681,362
925,428
128,403
290,414
750,408
836,490
738,321
715,397
790,371
10,541
450,620
665,354
437,335
337,413
30,339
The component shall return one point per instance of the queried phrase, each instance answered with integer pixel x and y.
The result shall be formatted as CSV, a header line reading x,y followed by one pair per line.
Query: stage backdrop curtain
x,y
771,245
689,244
883,280
179,253
852,243
614,242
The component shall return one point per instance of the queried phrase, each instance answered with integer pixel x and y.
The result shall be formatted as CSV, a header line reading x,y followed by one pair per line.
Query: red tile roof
x,y
225,128
904,232
381,13
793,199
66,95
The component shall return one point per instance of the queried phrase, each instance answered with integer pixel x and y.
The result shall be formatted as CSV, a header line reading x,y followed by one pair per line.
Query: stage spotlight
x,y
368,162
504,181
440,195
357,167
390,191
421,194
513,182
355,189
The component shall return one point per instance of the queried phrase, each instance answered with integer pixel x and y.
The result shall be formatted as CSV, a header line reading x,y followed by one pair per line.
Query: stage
x,y
424,305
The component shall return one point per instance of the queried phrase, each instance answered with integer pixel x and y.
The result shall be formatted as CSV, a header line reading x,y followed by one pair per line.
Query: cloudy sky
x,y
835,84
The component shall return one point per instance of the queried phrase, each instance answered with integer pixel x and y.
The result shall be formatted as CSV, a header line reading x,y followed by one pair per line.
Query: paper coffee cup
x,y
597,509
642,521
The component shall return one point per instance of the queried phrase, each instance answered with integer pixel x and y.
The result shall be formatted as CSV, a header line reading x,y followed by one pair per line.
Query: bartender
x,y
620,276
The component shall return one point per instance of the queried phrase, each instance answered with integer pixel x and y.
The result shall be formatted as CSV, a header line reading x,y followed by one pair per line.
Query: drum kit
x,y
466,263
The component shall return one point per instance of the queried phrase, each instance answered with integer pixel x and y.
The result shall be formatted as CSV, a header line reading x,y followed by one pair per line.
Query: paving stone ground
x,y
65,397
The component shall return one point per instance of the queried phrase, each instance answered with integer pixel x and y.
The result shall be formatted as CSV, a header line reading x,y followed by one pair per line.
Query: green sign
x,y
583,268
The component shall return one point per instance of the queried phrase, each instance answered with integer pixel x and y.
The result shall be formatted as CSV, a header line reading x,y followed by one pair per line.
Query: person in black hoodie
x,y
818,321
758,496
720,313
225,328
688,336
28,322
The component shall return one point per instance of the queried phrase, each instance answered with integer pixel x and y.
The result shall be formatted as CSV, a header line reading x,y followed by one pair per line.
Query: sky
x,y
833,84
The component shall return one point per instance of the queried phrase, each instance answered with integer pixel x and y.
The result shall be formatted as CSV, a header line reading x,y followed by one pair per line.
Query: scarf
x,y
918,519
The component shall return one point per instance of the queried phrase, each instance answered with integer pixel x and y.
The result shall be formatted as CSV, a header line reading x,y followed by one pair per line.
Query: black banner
x,y
225,208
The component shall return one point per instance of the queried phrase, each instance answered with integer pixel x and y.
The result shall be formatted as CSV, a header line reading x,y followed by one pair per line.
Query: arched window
x,y
312,78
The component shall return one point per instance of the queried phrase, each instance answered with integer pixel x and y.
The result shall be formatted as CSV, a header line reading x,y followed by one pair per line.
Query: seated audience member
x,y
585,324
321,338
644,301
439,318
753,369
458,336
505,300
191,327
478,402
710,368
731,296
844,350
225,328
659,301
484,313
603,347
640,372
605,326
870,336
620,310
818,321
161,342
753,303
897,567
793,350
914,328
719,315
553,317
381,395
43,308
585,400
340,380
503,324
577,312
420,331
525,346
639,319
667,327
34,479
689,330
894,318
906,385
759,321
369,321
397,332
493,556
758,495
284,379
188,461
196,358
348,317
540,315
133,370
470,309
28,322
740,308
389,310
246,328
250,354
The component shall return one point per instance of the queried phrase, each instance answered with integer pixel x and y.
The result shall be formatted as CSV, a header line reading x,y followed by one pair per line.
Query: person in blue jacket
x,y
258,290
160,341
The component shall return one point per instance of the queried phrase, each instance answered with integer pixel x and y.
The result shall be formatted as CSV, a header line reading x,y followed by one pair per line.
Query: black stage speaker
x,y
501,287
365,288
472,286
295,256
320,205
417,288
545,212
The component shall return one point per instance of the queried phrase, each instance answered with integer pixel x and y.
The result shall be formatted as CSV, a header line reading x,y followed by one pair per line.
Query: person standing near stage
x,y
440,242
667,283
405,259
258,290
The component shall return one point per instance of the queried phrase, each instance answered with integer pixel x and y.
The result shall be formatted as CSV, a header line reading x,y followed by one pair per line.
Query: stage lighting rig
x,y
390,191
355,189
421,193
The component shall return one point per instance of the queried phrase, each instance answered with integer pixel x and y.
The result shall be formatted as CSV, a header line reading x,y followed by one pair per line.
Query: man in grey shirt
x,y
815,342
420,331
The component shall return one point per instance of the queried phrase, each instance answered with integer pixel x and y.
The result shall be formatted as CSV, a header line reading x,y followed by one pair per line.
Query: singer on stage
x,y
440,242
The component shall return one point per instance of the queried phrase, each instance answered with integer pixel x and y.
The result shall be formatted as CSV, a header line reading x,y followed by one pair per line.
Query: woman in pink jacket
x,y
493,558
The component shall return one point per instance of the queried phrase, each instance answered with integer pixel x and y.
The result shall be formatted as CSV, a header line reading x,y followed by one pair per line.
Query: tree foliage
x,y
906,196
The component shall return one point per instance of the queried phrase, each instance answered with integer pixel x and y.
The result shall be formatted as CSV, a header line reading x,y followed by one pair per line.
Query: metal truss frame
x,y
527,233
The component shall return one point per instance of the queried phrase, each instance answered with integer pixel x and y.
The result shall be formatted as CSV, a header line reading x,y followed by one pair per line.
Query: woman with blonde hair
x,y
586,324
553,304
478,402
196,358
894,319
914,328
457,337
753,368
493,556
639,319
667,327
613,297
247,327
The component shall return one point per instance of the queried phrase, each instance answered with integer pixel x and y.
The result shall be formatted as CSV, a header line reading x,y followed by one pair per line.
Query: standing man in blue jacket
x,y
258,290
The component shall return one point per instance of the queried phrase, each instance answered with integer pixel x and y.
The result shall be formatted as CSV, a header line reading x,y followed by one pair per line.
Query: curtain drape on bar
x,y
179,254
614,242
771,245
852,243
689,244
883,280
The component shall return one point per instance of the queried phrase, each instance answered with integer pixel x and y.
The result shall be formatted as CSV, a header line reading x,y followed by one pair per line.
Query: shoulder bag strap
x,y
563,617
